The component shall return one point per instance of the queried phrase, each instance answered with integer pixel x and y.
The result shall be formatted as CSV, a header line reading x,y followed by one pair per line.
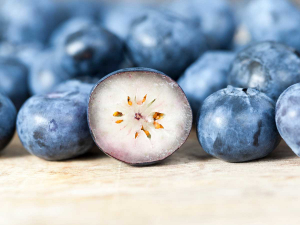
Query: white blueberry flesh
x,y
139,116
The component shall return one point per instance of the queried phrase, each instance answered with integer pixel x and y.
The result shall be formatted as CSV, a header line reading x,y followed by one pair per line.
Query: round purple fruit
x,y
46,74
269,67
205,76
54,126
30,21
83,84
13,80
90,51
287,117
139,116
238,125
8,116
165,41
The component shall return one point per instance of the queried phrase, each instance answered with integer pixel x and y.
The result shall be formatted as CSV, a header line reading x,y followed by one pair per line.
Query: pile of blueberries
x,y
238,65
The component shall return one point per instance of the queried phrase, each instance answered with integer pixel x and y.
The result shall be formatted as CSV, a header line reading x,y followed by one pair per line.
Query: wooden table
x,y
190,187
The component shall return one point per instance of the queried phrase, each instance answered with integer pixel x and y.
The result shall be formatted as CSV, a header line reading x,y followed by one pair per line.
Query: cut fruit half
x,y
139,116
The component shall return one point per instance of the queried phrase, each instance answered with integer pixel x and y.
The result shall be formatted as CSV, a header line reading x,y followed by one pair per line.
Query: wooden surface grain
x,y
190,187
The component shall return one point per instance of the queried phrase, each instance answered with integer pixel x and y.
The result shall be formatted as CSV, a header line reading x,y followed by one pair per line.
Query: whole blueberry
x,y
45,74
287,117
206,76
2,28
8,116
269,67
83,8
80,84
30,21
54,126
216,17
26,53
238,125
269,20
69,27
13,80
119,17
90,51
165,42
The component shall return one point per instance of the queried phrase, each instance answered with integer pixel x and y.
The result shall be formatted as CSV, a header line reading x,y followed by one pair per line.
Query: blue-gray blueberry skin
x,y
269,67
269,20
83,8
287,117
13,80
2,29
80,84
238,125
8,115
216,17
119,17
30,21
26,53
54,126
45,74
206,76
91,51
165,42
69,27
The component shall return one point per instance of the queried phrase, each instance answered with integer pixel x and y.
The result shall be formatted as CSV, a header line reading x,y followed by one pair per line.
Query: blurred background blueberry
x,y
8,116
119,17
269,67
45,74
69,27
13,80
165,42
81,84
30,21
269,20
26,53
90,51
237,125
92,9
206,76
54,126
216,17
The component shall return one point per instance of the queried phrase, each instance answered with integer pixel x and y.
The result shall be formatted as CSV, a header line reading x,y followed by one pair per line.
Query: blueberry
x,y
80,84
54,126
69,27
83,8
2,27
8,116
269,67
13,80
26,53
270,20
30,21
216,17
119,17
139,116
90,51
238,125
206,76
287,117
45,74
165,42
